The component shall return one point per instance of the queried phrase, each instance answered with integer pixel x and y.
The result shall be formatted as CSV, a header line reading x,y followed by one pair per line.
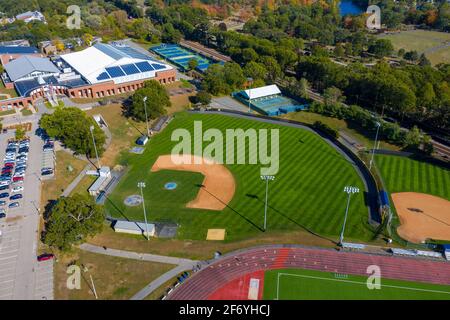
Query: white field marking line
x,y
355,282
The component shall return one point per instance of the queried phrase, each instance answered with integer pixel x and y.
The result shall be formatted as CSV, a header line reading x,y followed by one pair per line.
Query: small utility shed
x,y
134,227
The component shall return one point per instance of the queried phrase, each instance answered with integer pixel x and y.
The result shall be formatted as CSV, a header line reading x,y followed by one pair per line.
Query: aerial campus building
x,y
98,71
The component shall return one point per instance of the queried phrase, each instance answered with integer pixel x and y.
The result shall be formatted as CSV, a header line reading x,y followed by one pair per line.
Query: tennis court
x,y
180,56
268,100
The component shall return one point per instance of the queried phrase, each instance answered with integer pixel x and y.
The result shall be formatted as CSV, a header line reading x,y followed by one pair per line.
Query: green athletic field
x,y
298,284
307,192
401,174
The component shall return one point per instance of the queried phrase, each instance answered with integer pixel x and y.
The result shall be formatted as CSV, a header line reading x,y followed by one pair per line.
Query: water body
x,y
348,7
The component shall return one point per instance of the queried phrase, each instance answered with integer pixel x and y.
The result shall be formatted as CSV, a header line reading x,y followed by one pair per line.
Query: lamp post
x,y
141,185
146,118
375,144
266,178
250,82
95,146
349,190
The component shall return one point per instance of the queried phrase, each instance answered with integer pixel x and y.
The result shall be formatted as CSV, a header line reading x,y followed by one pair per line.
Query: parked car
x,y
16,197
2,215
46,173
45,257
4,183
9,164
17,189
4,187
13,205
15,179
4,195
17,183
2,203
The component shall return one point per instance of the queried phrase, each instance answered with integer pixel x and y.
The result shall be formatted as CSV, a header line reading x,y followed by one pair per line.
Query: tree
x,y
339,50
381,48
332,95
255,70
71,220
20,133
423,61
203,97
72,127
157,101
413,138
192,64
411,55
87,39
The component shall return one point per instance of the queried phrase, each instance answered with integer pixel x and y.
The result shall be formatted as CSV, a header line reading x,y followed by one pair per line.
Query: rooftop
x,y
104,62
18,50
25,65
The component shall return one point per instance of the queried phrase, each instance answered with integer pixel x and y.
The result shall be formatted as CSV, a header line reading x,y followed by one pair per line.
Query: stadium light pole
x,y
95,146
349,190
250,82
141,185
266,178
146,118
375,144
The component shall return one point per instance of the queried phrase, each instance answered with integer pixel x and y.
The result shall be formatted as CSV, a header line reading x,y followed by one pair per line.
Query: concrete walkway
x,y
75,181
135,255
182,265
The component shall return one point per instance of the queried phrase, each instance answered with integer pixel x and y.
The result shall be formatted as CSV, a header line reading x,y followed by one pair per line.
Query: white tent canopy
x,y
260,92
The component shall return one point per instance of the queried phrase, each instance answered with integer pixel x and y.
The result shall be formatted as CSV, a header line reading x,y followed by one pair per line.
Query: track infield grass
x,y
307,192
299,284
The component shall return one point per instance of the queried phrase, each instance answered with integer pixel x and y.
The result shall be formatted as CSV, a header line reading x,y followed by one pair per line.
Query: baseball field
x,y
420,194
307,192
300,284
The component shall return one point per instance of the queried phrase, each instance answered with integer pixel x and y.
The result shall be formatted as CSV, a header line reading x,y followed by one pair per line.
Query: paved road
x,y
228,103
27,279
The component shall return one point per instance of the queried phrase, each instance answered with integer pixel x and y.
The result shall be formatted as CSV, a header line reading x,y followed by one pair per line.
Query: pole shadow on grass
x,y
232,209
253,196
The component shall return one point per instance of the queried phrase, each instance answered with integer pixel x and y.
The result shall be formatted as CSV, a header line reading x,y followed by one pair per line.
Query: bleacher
x,y
353,246
403,252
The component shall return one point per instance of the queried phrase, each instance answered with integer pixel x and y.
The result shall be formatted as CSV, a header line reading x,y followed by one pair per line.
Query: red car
x,y
45,257
15,179
9,165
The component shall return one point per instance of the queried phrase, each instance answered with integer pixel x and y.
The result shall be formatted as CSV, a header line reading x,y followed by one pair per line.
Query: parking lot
x,y
21,276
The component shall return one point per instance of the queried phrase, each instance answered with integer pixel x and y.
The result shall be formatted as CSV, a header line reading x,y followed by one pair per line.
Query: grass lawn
x,y
114,278
124,132
84,184
307,192
3,90
202,249
401,174
26,112
340,125
430,42
7,112
52,189
298,284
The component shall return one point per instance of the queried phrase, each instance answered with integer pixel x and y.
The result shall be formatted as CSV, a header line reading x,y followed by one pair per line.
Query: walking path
x,y
182,265
75,181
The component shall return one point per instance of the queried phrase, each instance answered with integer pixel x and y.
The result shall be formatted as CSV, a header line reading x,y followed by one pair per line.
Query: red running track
x,y
207,283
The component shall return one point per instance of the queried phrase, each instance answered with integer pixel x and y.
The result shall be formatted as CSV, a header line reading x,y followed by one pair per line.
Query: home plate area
x,y
247,287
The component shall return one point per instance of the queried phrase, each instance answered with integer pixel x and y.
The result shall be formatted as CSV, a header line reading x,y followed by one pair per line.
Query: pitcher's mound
x,y
422,216
215,234
217,188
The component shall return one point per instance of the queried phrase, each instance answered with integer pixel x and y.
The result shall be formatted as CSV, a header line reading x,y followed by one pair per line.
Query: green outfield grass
x,y
401,174
307,192
298,284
